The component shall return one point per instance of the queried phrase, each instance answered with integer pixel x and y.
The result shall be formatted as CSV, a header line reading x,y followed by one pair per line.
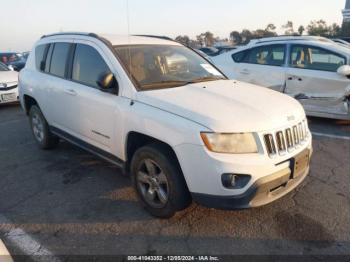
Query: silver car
x,y
313,70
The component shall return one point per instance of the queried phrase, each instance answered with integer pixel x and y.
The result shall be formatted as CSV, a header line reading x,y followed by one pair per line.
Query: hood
x,y
8,77
227,106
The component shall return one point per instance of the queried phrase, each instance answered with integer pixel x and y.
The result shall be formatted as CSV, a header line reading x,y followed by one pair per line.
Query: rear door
x,y
263,65
312,79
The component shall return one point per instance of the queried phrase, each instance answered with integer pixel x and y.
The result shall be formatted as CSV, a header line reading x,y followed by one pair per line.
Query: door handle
x,y
70,92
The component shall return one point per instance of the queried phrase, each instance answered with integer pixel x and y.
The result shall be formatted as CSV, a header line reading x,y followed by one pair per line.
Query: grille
x,y
286,140
8,88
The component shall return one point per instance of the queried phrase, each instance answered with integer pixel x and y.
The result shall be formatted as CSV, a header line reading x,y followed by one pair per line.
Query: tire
x,y
170,193
40,129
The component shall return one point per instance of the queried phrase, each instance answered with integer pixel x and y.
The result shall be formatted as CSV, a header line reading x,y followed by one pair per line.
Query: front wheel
x,y
159,181
40,129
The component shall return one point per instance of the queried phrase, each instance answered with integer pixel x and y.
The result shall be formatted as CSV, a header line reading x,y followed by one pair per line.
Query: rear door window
x,y
59,59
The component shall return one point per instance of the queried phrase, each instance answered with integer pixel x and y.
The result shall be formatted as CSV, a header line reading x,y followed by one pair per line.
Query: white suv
x,y
314,70
169,118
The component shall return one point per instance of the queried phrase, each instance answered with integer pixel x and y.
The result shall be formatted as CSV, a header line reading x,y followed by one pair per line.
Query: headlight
x,y
230,143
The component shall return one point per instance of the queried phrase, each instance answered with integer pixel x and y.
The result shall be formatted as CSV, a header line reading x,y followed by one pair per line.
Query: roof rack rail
x,y
71,33
286,38
157,36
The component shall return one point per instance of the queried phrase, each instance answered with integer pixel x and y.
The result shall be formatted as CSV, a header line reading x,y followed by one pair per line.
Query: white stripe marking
x,y
331,136
26,244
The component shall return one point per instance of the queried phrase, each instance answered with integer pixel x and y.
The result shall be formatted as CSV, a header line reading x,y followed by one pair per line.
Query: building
x,y
346,12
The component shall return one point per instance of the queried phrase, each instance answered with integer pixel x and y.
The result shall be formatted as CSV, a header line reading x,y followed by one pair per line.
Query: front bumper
x,y
262,192
9,96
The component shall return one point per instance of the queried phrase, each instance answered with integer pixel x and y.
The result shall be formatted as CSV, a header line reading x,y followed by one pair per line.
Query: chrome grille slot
x,y
289,138
301,132
281,144
270,144
296,135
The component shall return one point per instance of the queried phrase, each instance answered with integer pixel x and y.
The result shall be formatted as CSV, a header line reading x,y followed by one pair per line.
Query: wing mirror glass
x,y
344,71
108,83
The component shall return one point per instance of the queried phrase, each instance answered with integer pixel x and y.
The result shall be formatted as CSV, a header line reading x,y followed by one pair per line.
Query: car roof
x,y
119,40
304,40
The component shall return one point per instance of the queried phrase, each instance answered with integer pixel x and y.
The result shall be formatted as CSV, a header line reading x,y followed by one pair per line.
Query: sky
x,y
23,21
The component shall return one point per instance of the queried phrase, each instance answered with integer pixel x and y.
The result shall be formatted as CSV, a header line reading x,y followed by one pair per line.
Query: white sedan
x,y
8,85
313,70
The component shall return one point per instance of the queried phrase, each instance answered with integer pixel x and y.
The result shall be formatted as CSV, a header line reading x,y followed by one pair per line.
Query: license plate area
x,y
301,163
8,97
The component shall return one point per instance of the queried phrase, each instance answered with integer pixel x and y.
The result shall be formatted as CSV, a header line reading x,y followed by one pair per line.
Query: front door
x,y
312,79
93,113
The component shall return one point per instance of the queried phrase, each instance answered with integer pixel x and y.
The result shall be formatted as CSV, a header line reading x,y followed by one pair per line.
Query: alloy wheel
x,y
153,183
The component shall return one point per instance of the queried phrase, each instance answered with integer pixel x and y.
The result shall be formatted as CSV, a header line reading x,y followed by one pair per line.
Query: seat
x,y
138,66
300,59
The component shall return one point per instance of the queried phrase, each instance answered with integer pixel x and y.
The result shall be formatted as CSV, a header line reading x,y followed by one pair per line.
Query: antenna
x,y
128,27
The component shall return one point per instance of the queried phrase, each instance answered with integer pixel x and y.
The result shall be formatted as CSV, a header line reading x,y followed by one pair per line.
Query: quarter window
x,y
59,59
272,55
238,57
88,65
314,58
39,56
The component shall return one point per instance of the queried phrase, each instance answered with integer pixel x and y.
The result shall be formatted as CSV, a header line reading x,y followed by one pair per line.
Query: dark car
x,y
224,49
13,59
26,55
210,51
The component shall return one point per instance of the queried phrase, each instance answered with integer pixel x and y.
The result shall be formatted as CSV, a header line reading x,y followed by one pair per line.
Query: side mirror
x,y
344,71
11,68
108,83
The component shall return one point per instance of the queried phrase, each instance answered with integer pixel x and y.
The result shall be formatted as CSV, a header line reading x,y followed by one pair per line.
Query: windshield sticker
x,y
211,69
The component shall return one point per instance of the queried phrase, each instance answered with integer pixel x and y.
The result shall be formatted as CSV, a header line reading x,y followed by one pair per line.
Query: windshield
x,y
165,66
3,67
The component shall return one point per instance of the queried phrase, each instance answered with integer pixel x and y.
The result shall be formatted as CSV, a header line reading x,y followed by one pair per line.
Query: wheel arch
x,y
29,101
136,140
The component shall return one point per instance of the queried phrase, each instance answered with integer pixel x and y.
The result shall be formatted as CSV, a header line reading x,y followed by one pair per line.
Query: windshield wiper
x,y
205,79
178,83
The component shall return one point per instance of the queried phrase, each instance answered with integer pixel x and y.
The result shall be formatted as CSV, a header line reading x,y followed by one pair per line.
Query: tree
x,y
200,39
270,28
235,38
289,28
320,28
209,38
301,30
246,36
185,40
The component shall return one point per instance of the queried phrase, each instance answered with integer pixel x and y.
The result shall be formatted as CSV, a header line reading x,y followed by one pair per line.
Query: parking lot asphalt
x,y
73,203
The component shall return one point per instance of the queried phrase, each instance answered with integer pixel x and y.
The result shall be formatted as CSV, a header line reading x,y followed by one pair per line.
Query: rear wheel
x,y
40,129
159,181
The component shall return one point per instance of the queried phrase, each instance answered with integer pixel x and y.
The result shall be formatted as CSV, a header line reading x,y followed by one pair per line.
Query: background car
x,y
26,55
313,70
224,49
8,85
210,51
14,59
